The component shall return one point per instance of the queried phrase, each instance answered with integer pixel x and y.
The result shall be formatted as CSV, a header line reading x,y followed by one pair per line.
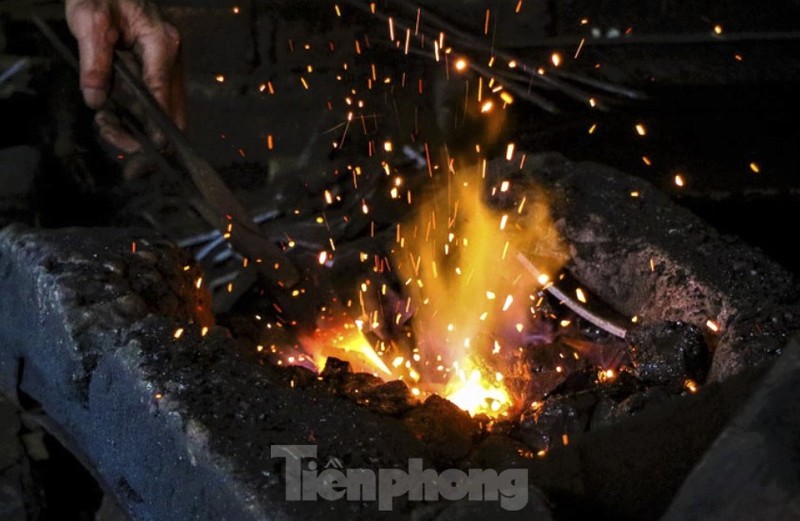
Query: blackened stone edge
x,y
646,256
176,428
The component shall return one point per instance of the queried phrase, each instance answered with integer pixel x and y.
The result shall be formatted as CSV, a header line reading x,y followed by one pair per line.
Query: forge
x,y
440,264
107,348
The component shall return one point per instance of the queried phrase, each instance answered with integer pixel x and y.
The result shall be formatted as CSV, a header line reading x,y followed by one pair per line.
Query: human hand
x,y
101,26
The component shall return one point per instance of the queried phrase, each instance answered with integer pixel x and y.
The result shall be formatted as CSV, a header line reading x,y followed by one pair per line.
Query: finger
x,y
91,23
178,97
112,132
158,49
138,166
134,106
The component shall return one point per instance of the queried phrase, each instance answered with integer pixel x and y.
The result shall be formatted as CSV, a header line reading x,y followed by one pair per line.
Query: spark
x,y
503,221
755,168
641,129
713,326
555,58
178,333
679,181
461,65
606,375
580,46
581,296
510,152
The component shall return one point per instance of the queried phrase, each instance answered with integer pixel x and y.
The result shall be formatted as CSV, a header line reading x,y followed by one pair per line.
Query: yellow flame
x,y
345,342
469,292
469,295
476,393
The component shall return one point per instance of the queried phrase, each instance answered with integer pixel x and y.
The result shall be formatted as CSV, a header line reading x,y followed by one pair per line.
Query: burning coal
x,y
470,305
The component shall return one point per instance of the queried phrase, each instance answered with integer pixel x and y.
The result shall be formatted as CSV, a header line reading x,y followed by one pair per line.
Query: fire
x,y
345,340
476,393
472,299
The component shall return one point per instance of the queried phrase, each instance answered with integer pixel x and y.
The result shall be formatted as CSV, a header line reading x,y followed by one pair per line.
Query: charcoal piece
x,y
609,412
669,352
622,385
390,398
545,427
500,451
446,430
545,369
335,368
356,384
576,381
640,401
298,376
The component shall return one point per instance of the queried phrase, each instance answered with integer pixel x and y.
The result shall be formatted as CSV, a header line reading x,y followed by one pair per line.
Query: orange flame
x,y
472,298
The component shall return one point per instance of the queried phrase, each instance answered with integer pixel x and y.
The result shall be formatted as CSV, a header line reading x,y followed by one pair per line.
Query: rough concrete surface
x,y
647,257
176,428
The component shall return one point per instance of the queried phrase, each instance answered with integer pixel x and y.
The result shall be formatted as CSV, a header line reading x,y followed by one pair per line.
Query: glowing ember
x,y
477,394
